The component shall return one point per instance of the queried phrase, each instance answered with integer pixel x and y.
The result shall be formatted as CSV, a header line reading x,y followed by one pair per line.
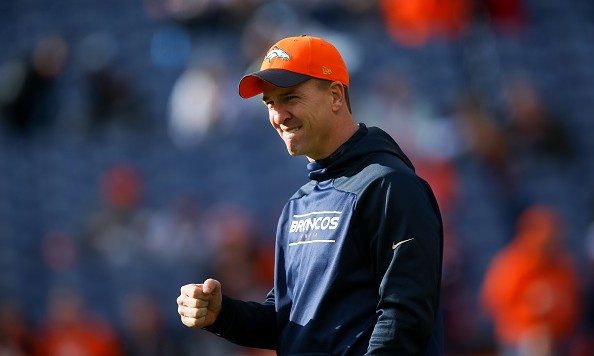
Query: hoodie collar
x,y
363,142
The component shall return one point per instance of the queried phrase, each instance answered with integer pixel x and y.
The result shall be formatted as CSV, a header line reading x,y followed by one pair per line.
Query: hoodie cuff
x,y
224,320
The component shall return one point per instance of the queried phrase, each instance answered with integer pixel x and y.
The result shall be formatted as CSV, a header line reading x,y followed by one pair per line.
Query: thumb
x,y
211,286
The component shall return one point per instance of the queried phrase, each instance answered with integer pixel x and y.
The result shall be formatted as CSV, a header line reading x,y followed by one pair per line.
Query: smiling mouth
x,y
292,130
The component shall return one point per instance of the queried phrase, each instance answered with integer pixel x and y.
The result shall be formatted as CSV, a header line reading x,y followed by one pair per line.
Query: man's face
x,y
302,117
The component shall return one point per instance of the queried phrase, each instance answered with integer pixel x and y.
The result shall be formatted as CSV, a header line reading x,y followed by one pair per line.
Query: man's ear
x,y
336,89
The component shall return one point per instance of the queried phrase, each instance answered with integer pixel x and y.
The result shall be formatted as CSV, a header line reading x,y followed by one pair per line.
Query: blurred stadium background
x,y
129,166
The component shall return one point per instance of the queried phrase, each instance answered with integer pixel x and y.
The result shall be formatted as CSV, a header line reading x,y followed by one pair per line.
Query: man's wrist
x,y
223,320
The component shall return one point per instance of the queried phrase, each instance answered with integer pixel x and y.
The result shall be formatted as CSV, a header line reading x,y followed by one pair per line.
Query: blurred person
x,y
392,102
483,136
531,289
117,230
178,233
71,328
235,242
413,23
15,335
112,100
191,120
144,332
484,141
234,247
176,247
28,99
115,233
358,247
534,130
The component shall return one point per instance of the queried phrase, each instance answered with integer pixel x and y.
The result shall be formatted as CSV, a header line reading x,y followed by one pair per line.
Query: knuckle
x,y
187,322
192,322
181,311
201,303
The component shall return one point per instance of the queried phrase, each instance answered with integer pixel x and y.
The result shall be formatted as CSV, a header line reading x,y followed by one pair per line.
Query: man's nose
x,y
278,116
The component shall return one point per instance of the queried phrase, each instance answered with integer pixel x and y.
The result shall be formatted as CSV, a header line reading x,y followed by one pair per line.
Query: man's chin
x,y
292,151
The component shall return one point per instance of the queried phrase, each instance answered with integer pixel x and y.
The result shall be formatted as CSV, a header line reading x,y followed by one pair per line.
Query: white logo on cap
x,y
276,52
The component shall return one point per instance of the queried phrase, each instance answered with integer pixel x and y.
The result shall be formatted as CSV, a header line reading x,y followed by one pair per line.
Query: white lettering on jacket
x,y
310,222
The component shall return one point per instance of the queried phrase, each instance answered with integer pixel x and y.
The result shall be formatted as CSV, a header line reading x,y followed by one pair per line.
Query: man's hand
x,y
199,305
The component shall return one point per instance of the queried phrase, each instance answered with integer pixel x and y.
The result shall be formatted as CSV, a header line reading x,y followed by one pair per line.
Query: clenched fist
x,y
199,305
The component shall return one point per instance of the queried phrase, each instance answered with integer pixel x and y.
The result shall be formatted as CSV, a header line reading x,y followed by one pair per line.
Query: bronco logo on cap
x,y
276,52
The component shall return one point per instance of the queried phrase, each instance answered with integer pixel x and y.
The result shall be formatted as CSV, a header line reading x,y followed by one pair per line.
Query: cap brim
x,y
251,84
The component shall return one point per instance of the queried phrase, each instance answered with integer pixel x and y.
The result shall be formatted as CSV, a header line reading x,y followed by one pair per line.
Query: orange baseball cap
x,y
292,61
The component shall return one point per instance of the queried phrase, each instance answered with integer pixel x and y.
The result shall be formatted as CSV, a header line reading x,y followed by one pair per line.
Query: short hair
x,y
325,84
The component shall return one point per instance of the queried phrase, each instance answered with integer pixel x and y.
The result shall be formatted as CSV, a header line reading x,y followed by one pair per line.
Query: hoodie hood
x,y
364,142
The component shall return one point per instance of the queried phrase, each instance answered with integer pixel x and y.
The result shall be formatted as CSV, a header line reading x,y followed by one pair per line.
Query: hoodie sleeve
x,y
406,256
248,324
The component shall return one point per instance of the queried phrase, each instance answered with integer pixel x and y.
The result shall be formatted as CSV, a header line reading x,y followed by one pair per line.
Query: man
x,y
358,249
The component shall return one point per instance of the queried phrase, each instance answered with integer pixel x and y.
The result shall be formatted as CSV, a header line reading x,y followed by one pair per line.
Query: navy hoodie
x,y
357,264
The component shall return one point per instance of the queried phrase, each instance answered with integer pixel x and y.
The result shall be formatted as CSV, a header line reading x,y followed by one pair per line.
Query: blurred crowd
x,y
129,166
